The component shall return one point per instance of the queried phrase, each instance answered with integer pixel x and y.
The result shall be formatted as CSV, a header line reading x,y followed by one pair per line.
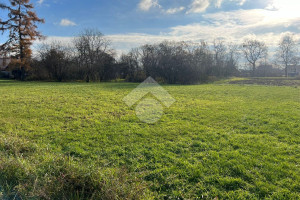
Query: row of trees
x,y
286,54
180,62
90,57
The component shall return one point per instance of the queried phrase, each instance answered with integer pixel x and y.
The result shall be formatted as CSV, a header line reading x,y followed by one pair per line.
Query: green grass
x,y
81,141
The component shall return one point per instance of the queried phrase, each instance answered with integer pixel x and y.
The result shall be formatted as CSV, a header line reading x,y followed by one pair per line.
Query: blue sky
x,y
130,23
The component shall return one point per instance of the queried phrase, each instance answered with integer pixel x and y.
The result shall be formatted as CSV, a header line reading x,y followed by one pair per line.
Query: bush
x,y
177,63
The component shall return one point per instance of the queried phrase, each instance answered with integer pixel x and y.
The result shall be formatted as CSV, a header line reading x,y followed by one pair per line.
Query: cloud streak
x,y
174,10
234,26
267,25
146,5
67,22
198,6
40,2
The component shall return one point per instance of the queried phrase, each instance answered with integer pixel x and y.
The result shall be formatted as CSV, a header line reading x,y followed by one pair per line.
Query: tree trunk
x,y
23,74
253,69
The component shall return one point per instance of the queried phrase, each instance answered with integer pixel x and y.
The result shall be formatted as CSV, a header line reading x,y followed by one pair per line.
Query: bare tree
x,y
232,59
56,59
171,62
286,53
253,51
92,48
219,50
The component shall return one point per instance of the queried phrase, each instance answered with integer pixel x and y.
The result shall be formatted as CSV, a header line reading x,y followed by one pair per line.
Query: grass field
x,y
81,141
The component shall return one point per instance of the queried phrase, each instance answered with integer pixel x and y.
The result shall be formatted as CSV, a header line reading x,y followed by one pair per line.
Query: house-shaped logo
x,y
149,110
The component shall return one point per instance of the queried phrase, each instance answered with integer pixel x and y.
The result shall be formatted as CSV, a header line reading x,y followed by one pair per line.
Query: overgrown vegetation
x,y
91,59
80,141
180,62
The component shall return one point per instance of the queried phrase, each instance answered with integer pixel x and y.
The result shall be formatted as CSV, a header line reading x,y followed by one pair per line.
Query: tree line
x,y
90,57
180,62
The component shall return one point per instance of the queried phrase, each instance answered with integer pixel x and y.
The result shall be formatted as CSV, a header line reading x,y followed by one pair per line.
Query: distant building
x,y
294,71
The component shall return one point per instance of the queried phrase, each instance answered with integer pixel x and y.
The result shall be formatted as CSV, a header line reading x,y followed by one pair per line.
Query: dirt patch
x,y
269,81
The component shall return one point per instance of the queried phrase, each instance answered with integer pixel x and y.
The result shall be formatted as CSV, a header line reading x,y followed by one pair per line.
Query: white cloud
x,y
285,8
240,2
198,6
40,2
234,26
174,10
218,3
146,5
67,22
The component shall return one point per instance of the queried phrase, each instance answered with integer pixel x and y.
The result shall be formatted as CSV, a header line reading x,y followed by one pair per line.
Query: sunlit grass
x,y
225,141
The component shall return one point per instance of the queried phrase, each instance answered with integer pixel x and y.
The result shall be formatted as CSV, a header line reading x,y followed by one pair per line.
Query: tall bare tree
x,y
22,28
232,59
286,53
56,59
219,50
253,51
92,49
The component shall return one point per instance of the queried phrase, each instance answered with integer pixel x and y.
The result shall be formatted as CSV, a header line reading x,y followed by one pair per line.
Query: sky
x,y
131,23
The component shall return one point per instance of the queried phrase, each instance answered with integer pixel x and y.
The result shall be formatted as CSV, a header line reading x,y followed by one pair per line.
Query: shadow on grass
x,y
115,85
